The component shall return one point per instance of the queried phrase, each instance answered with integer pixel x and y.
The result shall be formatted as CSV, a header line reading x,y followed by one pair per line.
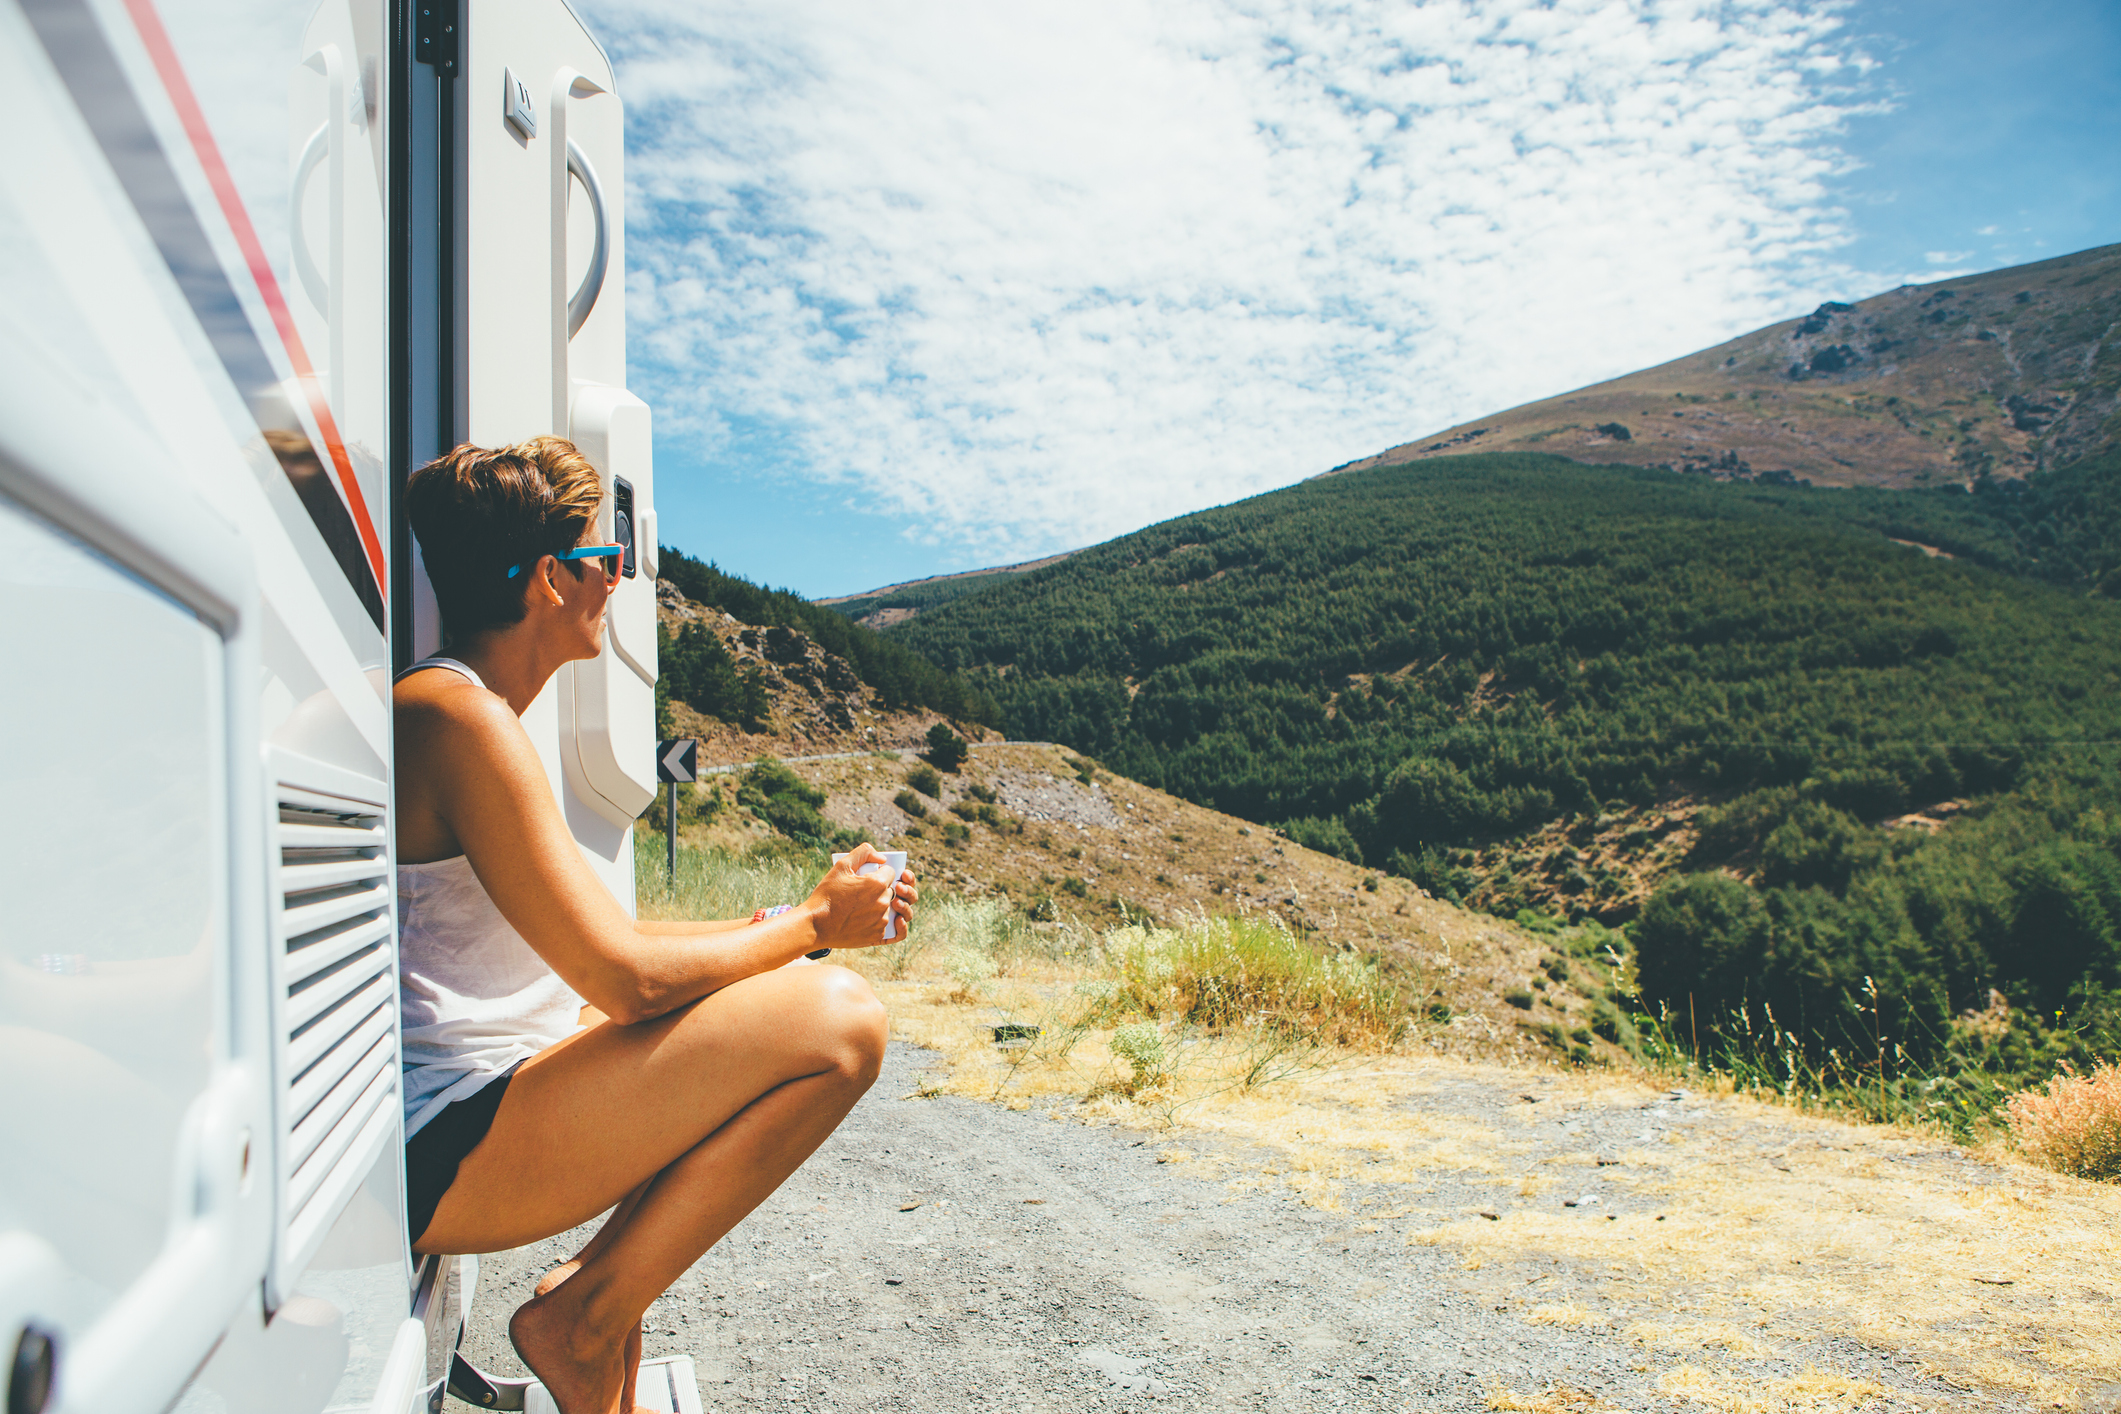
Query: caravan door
x,y
542,252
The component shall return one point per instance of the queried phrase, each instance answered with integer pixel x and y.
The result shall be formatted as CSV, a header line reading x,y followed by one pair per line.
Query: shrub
x,y
965,810
1141,1045
924,780
946,749
955,835
1700,936
1518,998
1327,836
907,801
970,968
980,792
786,801
2075,1126
1075,886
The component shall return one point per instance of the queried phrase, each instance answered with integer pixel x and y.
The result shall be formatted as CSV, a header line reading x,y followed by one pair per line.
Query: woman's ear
x,y
547,583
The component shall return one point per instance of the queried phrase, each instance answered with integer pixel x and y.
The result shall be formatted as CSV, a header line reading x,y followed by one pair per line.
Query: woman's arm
x,y
481,775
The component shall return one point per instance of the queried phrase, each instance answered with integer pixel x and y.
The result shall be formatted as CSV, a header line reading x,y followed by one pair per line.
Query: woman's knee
x,y
827,1016
854,1023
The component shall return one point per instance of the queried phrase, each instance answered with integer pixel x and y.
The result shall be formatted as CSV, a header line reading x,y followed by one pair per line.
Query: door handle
x,y
326,149
584,298
313,282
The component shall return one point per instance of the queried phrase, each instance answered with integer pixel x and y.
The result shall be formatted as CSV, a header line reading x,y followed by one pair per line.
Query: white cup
x,y
893,866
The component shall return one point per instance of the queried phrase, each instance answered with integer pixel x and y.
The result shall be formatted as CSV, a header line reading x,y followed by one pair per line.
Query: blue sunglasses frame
x,y
614,553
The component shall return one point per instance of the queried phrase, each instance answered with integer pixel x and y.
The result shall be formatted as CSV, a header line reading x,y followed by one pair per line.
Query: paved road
x,y
1055,1266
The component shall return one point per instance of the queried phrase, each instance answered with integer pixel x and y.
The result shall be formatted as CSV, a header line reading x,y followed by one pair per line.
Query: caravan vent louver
x,y
340,971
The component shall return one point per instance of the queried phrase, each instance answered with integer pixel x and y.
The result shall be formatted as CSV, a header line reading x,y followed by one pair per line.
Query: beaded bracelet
x,y
761,915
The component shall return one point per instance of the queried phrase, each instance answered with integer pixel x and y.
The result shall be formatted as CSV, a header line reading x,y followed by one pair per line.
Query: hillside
x,y
1058,840
894,604
2001,374
1532,684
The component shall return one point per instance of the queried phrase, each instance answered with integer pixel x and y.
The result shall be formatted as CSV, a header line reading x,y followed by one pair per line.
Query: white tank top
x,y
474,998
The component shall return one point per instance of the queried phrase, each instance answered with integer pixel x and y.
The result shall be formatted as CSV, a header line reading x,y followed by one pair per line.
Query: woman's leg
x,y
597,1243
711,1107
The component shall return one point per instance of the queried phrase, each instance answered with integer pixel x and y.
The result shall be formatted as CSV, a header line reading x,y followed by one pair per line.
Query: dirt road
x,y
944,1254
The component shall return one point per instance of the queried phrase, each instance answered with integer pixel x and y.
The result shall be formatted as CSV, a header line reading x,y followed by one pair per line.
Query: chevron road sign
x,y
678,760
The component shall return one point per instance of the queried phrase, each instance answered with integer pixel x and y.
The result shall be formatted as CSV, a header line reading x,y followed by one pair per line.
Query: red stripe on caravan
x,y
164,56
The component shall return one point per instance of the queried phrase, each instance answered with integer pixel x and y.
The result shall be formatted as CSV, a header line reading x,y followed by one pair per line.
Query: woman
x,y
561,1058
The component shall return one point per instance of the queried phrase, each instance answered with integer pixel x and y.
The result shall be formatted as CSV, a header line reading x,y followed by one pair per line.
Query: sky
x,y
923,287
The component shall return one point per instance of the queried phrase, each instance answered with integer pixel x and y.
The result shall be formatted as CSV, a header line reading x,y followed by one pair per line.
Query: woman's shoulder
x,y
448,703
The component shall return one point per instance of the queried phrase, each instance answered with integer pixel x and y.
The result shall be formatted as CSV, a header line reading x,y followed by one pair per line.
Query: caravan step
x,y
668,1385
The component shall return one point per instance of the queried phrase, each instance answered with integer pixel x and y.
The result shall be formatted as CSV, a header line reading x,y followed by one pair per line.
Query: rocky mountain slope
x,y
2004,374
817,702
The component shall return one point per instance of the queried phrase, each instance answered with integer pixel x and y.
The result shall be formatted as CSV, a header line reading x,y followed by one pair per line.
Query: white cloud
x,y
1031,275
1947,257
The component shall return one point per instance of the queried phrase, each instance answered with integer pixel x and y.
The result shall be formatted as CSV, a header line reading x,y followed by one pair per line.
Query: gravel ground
x,y
942,1254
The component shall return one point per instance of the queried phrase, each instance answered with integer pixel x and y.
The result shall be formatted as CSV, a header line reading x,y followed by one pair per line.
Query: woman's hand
x,y
848,909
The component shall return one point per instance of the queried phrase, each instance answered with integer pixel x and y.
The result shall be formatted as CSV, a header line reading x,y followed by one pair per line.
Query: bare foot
x,y
557,1275
567,1269
583,1375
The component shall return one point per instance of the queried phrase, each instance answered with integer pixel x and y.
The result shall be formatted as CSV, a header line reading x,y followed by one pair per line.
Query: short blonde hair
x,y
478,511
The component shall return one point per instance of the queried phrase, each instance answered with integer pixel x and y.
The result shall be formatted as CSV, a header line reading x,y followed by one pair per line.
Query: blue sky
x,y
917,287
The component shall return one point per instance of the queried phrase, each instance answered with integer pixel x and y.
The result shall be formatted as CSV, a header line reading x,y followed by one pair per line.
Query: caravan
x,y
260,259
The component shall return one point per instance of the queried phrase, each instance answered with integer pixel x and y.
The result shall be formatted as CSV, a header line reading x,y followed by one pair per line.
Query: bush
x,y
1518,998
1700,937
907,801
1325,836
946,749
964,810
787,802
924,780
955,836
980,793
2075,1126
1141,1046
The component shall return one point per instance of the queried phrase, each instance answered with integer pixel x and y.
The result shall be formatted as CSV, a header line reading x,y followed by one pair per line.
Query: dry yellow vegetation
x,y
1750,1230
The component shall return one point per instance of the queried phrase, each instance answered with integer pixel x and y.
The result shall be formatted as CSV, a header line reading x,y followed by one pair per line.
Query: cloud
x,y
1032,275
1947,257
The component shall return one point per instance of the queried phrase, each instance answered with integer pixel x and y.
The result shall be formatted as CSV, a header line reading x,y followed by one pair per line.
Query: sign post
x,y
676,763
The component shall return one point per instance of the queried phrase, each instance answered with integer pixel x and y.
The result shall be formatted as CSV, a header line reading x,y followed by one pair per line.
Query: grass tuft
x,y
1223,972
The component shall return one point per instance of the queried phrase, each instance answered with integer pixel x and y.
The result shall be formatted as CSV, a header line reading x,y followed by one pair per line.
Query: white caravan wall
x,y
529,233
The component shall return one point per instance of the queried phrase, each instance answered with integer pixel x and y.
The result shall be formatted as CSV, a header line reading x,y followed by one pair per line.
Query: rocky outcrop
x,y
817,701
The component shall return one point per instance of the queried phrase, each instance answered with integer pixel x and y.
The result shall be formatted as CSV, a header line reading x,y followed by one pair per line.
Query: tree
x,y
946,749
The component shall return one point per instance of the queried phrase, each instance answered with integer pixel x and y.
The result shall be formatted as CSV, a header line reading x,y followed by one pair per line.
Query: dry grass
x,y
1814,1390
1559,1400
1865,1232
1777,1228
2075,1126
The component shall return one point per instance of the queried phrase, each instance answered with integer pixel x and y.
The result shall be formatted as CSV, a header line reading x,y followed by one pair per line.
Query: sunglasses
x,y
608,554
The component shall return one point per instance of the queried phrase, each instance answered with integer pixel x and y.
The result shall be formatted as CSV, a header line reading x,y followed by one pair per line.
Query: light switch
x,y
519,110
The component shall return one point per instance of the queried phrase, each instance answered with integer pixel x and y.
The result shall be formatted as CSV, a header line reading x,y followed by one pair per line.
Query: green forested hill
x,y
1408,662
